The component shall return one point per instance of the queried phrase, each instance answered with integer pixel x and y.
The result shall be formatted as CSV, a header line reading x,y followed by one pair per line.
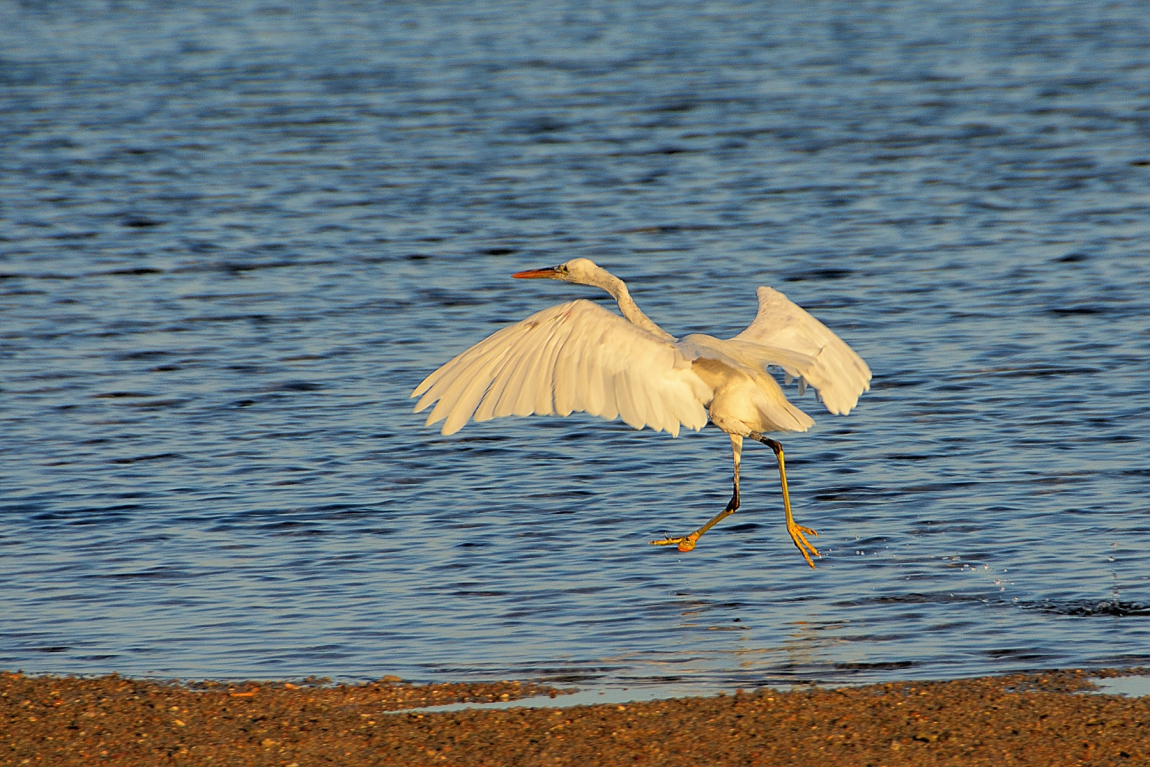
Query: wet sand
x,y
1044,719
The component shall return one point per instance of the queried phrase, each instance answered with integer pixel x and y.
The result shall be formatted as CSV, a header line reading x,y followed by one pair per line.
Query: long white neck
x,y
618,289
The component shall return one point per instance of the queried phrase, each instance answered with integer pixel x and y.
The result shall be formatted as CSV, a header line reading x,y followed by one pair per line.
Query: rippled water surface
x,y
234,237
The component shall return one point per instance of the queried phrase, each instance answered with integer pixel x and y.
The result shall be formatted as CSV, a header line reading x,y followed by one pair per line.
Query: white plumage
x,y
580,357
575,357
834,370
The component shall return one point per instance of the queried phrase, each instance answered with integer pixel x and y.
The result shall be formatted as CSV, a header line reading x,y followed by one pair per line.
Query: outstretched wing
x,y
834,369
572,357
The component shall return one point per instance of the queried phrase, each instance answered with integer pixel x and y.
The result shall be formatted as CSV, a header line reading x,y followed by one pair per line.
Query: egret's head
x,y
583,271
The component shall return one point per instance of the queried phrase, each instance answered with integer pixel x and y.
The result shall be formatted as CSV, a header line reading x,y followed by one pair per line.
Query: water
x,y
1129,686
234,237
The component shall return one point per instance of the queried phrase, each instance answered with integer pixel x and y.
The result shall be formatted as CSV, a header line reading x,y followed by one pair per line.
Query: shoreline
x,y
1049,718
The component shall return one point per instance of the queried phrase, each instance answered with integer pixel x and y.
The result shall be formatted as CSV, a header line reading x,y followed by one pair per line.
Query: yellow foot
x,y
684,544
803,544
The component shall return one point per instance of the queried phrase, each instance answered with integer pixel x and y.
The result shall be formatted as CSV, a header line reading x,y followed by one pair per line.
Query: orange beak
x,y
550,272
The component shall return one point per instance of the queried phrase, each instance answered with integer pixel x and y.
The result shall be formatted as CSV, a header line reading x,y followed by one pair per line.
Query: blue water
x,y
234,237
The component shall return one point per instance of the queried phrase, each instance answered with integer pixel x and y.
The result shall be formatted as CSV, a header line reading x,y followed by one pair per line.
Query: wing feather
x,y
544,400
531,379
630,407
494,400
462,389
509,381
434,386
805,347
567,397
598,389
493,382
572,357
469,397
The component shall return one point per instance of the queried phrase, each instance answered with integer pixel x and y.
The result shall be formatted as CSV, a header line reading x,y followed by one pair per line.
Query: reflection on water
x,y
234,242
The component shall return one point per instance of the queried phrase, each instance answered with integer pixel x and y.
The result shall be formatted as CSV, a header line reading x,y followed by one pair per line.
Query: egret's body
x,y
579,356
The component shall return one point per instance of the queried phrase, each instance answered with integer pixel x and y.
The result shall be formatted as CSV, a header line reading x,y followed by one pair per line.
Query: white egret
x,y
581,357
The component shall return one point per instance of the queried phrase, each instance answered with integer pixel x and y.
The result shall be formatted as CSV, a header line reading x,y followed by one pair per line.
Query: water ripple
x,y
233,243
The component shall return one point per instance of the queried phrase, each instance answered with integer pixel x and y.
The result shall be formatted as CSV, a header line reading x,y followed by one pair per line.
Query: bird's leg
x,y
794,529
687,543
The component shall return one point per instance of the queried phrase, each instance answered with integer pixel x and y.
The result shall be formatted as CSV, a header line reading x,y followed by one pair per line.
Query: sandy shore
x,y
1027,719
